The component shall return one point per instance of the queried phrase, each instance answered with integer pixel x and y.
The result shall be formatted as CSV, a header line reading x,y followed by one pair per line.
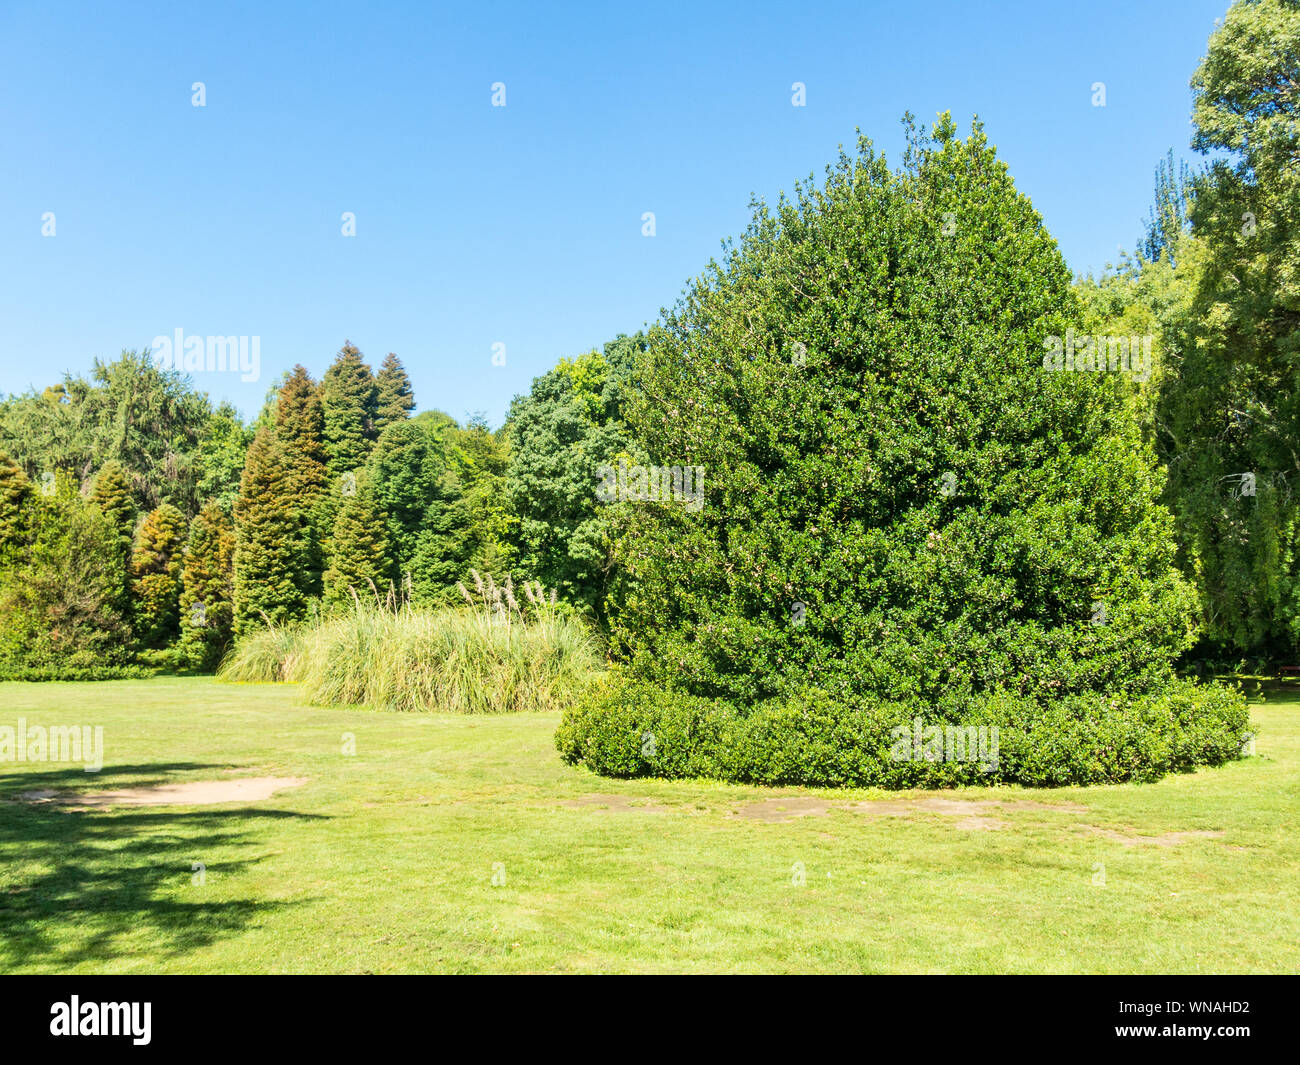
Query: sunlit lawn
x,y
385,860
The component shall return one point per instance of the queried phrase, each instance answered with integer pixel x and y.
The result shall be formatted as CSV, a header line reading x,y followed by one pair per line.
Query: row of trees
x,y
139,524
198,527
1216,279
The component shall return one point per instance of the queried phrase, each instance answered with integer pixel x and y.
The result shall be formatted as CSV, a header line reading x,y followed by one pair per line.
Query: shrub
x,y
906,514
623,726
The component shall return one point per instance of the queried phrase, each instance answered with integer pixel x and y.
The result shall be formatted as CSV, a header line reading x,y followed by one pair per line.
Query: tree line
x,y
142,523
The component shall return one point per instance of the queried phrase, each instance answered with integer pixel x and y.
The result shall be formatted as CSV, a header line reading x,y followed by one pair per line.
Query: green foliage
x,y
395,398
207,589
570,423
62,606
17,501
156,576
112,494
408,468
458,661
468,524
627,728
358,546
272,540
831,549
1168,220
222,447
300,428
1233,406
348,398
148,419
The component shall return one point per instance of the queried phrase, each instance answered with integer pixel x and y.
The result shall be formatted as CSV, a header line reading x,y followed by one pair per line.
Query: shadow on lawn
x,y
94,885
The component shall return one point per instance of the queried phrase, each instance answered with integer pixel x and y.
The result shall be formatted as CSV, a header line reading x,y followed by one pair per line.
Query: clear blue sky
x,y
518,225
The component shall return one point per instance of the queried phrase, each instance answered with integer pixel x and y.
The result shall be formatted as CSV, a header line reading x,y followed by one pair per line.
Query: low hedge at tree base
x,y
627,728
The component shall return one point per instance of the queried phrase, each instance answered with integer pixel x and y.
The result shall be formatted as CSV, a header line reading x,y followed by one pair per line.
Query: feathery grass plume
x,y
419,659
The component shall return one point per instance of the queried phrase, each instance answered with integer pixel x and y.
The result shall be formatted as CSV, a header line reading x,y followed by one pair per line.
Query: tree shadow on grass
x,y
81,886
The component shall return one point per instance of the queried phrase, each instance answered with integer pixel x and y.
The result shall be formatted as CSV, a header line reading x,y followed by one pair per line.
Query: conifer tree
x,y
357,547
349,396
269,536
396,397
156,575
207,588
300,427
112,494
16,504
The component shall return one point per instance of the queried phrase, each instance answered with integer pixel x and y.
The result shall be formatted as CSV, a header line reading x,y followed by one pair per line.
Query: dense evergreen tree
x,y
148,419
62,606
156,558
898,497
17,502
407,470
207,589
349,396
300,427
270,539
396,399
112,494
357,549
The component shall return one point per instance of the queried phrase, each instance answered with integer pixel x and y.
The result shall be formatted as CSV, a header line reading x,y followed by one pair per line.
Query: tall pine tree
x,y
17,501
349,396
207,588
300,427
396,397
112,494
269,540
156,575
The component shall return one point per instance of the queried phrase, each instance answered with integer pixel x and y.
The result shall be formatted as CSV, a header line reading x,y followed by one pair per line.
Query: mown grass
x,y
384,860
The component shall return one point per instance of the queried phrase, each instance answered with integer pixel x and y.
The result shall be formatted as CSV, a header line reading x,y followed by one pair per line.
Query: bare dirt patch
x,y
974,814
1130,838
619,804
784,809
193,793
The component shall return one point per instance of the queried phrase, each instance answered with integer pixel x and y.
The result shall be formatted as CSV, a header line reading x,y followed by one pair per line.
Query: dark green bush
x,y
899,500
905,515
625,727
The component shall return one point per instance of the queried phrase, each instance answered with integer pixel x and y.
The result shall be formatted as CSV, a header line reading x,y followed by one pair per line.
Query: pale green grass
x,y
384,861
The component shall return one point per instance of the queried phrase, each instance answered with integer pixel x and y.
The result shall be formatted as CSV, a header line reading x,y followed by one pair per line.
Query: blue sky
x,y
518,225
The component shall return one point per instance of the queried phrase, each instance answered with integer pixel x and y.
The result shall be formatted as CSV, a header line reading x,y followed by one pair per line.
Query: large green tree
x,y
357,550
570,423
271,582
1230,413
150,420
62,606
897,496
156,559
207,589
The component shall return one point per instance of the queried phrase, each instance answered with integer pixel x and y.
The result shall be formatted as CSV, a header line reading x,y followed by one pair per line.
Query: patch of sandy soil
x,y
974,814
619,804
784,809
194,793
1168,839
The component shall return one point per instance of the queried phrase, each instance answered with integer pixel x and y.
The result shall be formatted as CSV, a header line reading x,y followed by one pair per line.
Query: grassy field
x,y
384,861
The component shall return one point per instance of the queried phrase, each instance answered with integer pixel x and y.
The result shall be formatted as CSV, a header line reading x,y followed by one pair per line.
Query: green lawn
x,y
383,861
